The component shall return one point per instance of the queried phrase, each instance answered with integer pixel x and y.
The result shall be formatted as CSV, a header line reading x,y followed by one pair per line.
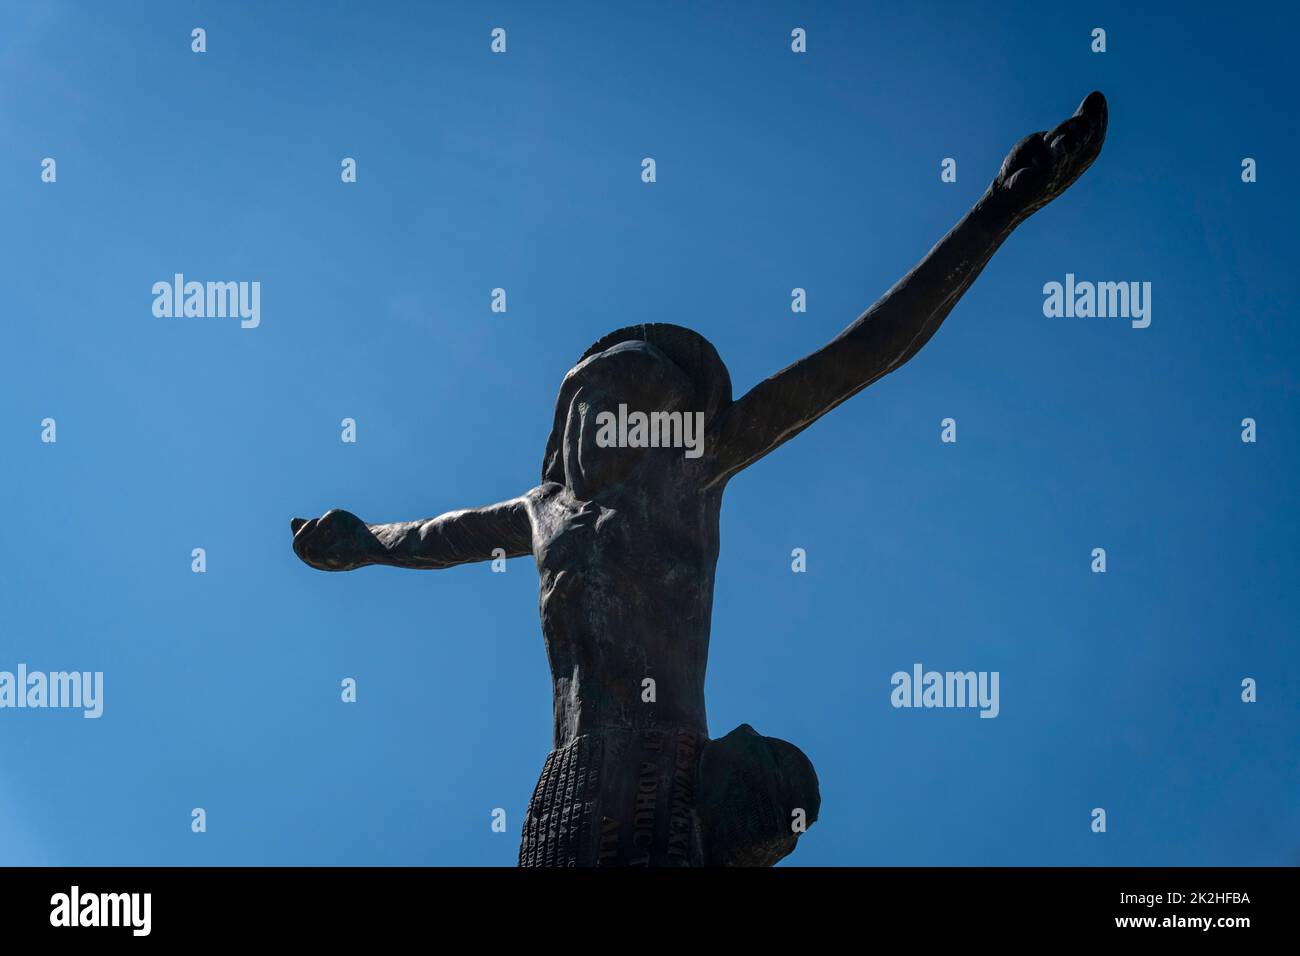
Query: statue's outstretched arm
x,y
1037,170
340,541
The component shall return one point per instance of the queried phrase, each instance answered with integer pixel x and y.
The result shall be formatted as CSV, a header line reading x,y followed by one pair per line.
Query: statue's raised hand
x,y
336,541
1042,165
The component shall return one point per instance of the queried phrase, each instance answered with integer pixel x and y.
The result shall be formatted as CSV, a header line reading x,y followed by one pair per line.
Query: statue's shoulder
x,y
544,493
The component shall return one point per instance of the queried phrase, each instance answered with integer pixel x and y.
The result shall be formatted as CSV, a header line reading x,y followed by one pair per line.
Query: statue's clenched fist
x,y
336,541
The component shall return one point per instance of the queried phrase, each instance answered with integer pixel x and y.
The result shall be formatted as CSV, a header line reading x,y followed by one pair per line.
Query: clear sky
x,y
523,171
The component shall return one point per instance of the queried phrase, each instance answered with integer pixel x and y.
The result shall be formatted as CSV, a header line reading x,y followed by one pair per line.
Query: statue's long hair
x,y
690,351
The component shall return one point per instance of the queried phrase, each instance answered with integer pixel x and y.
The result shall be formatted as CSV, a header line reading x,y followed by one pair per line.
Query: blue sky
x,y
522,171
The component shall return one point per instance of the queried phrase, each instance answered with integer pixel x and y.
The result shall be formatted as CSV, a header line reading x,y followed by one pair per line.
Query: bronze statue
x,y
624,530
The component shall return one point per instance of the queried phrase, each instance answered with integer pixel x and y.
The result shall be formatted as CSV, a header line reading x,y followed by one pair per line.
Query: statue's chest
x,y
579,536
614,544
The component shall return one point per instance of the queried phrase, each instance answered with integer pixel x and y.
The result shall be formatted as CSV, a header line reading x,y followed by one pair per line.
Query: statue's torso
x,y
626,586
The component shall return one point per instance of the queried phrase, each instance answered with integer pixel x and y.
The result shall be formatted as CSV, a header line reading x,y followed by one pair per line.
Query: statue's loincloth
x,y
617,798
668,797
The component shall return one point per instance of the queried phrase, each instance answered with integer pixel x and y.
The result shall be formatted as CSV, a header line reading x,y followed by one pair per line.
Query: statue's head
x,y
645,368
